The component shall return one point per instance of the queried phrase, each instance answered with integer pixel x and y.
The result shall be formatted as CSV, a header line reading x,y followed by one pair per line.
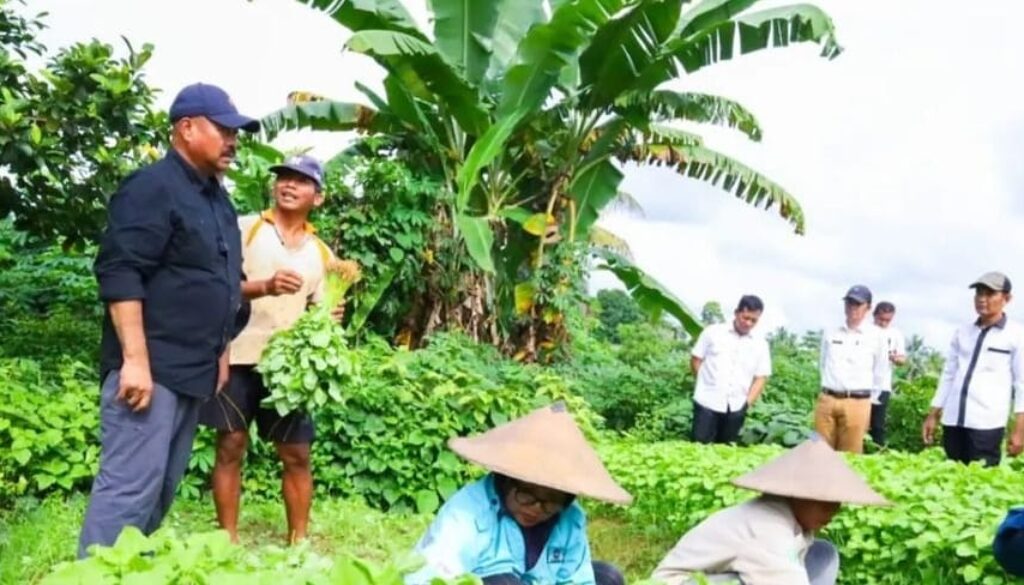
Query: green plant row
x,y
938,530
209,558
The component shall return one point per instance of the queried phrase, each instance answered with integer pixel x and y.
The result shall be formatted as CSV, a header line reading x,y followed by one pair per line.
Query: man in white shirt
x,y
731,365
853,359
770,540
896,346
984,372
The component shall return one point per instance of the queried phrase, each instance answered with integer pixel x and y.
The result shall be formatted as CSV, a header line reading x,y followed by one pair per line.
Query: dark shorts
x,y
238,405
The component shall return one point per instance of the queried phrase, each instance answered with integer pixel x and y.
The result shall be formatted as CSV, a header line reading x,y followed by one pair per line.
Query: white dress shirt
x,y
894,343
760,540
853,359
984,368
730,362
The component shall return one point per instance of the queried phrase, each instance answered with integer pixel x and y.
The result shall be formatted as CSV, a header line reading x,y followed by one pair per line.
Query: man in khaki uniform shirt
x,y
283,261
769,540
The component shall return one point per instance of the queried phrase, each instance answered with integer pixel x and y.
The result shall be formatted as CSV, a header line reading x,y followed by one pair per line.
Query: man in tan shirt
x,y
283,261
769,540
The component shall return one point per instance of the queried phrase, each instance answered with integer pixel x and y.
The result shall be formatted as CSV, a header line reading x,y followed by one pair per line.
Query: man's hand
x,y
338,312
928,428
1015,444
284,282
135,386
223,370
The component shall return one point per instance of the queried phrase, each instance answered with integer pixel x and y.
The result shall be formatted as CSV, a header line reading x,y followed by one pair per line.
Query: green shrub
x,y
48,426
628,382
907,409
939,529
387,440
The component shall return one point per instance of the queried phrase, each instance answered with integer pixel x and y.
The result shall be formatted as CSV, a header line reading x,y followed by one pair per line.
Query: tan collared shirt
x,y
263,254
759,540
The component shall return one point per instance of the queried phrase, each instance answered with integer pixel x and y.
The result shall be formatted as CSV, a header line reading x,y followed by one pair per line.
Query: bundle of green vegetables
x,y
310,363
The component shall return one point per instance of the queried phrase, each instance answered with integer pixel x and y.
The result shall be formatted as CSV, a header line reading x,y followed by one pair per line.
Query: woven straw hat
x,y
545,448
811,471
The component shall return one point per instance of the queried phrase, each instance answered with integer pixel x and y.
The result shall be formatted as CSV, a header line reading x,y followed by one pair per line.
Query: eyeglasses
x,y
527,498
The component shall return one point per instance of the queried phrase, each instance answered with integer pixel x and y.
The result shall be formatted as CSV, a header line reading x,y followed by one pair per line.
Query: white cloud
x,y
903,151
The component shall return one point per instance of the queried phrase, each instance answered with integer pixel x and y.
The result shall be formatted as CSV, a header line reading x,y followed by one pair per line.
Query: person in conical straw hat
x,y
769,540
521,522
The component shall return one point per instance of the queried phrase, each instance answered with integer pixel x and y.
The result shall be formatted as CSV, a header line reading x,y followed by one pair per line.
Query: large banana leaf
x,y
551,47
479,238
664,106
652,297
515,17
425,73
357,15
481,155
592,191
623,48
774,28
324,115
708,13
704,164
463,31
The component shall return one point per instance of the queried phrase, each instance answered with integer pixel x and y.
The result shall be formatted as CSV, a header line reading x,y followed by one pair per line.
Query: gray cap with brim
x,y
996,281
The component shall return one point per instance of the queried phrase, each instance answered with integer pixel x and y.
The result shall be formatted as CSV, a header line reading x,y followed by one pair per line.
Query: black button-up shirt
x,y
172,242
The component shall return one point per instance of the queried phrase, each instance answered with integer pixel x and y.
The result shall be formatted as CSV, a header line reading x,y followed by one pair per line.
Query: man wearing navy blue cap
x,y
169,271
284,263
853,364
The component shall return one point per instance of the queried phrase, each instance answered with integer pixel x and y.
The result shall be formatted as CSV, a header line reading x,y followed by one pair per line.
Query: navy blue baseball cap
x,y
859,294
304,165
212,102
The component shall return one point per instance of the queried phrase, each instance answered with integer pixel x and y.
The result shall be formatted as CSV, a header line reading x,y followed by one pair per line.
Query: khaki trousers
x,y
843,422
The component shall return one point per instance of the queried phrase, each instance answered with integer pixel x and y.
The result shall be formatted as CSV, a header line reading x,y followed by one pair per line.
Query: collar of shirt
x,y
208,186
268,216
1000,324
862,328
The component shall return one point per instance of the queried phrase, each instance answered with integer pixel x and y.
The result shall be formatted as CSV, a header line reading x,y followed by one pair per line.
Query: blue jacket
x,y
473,534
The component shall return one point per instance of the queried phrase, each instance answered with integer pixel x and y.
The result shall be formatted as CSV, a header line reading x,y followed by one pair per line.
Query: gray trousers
x,y
143,457
822,563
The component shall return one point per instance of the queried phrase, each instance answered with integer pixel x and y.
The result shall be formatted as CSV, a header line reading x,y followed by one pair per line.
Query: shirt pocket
x,y
995,358
193,243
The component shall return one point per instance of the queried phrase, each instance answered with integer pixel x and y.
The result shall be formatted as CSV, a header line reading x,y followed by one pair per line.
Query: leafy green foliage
x,y
387,442
209,557
939,529
307,365
614,308
908,406
48,424
380,214
625,383
48,296
70,132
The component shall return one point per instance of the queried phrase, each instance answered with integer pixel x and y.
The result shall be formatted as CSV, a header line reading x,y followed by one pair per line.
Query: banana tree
x,y
525,111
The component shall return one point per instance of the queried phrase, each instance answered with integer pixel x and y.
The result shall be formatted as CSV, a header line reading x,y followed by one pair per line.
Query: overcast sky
x,y
904,151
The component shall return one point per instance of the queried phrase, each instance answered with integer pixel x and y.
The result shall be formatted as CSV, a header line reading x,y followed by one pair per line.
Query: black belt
x,y
847,393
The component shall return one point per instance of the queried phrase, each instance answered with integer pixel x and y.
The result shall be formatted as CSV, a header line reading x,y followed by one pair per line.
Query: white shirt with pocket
x,y
853,359
983,372
730,362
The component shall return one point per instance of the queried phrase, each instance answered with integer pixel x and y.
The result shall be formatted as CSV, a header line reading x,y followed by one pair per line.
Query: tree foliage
x,y
69,132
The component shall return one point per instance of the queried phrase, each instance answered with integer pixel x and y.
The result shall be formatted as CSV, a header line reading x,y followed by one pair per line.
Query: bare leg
x,y
297,487
227,479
